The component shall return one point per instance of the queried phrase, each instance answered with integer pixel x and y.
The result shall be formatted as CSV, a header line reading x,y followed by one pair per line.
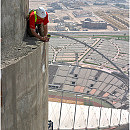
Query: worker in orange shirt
x,y
37,19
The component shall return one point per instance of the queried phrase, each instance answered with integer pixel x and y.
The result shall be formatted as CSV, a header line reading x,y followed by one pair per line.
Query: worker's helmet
x,y
41,12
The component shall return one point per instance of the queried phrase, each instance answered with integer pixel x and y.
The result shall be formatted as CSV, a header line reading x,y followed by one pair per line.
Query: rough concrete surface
x,y
24,72
25,92
13,30
13,52
13,22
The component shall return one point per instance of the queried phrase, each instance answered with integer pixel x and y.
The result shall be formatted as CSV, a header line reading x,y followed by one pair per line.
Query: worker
x,y
37,24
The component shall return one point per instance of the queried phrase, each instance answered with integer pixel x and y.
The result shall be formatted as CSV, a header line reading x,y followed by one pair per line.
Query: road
x,y
98,39
80,33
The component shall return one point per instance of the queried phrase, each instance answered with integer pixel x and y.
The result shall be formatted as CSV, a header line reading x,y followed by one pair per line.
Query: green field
x,y
88,101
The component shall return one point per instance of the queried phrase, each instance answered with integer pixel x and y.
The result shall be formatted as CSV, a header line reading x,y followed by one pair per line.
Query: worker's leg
x,y
41,30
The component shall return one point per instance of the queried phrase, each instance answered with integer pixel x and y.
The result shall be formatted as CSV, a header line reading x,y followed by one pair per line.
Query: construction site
x,y
78,80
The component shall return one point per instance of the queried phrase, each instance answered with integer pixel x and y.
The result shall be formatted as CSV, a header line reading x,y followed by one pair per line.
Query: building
x,y
66,17
50,10
60,27
78,14
94,24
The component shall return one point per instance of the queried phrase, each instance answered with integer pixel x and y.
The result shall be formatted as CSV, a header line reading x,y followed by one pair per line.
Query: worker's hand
x,y
46,38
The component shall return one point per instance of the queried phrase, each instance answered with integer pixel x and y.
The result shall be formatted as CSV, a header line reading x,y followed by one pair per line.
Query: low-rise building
x,y
60,27
66,17
50,10
94,24
82,13
57,20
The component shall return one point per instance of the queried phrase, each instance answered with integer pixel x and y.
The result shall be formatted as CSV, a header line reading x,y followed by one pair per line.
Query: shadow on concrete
x,y
30,40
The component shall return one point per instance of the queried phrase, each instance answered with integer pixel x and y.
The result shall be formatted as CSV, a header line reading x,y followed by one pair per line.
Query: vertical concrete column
x,y
25,81
25,92
45,86
13,22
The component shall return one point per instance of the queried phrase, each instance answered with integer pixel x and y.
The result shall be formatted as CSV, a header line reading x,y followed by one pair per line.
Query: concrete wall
x,y
13,22
25,81
25,92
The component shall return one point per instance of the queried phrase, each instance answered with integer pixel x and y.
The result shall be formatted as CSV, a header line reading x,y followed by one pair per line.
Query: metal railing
x,y
71,113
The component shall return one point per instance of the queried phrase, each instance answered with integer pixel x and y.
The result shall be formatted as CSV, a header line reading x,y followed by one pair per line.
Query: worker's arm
x,y
38,36
45,32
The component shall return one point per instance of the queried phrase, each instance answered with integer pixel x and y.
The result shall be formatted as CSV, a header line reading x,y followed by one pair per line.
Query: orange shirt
x,y
39,21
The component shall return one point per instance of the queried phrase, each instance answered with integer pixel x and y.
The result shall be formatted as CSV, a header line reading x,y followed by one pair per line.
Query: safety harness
x,y
35,14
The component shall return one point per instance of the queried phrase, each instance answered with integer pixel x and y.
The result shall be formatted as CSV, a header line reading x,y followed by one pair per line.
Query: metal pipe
x,y
120,117
75,111
110,118
100,114
60,110
88,114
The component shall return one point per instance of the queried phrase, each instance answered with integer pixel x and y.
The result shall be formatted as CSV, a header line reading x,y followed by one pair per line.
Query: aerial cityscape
x,y
88,56
89,18
82,15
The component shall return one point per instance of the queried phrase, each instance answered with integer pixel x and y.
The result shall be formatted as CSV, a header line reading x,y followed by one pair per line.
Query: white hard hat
x,y
41,12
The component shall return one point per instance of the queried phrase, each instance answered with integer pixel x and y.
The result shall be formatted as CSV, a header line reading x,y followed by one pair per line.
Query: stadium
x,y
88,82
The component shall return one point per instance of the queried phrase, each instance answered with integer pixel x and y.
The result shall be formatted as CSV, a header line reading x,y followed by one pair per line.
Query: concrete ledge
x,y
25,91
12,53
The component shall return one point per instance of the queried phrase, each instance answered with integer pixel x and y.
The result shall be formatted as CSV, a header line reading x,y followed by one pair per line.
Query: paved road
x,y
80,33
98,39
